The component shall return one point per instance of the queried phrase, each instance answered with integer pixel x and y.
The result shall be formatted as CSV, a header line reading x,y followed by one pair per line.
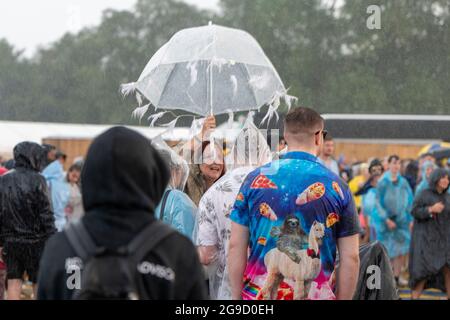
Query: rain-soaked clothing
x,y
424,182
75,203
249,151
124,179
59,191
430,246
26,219
395,201
179,212
214,227
371,208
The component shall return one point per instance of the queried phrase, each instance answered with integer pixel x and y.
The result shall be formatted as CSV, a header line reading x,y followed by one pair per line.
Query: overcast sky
x,y
30,23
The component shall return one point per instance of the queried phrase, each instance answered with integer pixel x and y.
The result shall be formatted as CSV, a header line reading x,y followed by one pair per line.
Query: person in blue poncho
x,y
427,168
394,220
371,208
176,208
59,190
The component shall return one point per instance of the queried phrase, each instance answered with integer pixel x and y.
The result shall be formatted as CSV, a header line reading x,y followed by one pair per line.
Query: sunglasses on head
x,y
324,133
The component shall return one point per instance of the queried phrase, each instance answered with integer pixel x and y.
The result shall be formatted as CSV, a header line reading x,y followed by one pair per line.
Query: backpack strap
x,y
163,204
148,238
80,240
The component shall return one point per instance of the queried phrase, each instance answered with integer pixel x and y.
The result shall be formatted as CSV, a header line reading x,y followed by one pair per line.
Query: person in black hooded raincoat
x,y
429,260
124,179
26,218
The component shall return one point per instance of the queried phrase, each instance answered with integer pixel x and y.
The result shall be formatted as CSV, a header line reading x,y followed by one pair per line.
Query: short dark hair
x,y
394,157
302,120
61,155
375,163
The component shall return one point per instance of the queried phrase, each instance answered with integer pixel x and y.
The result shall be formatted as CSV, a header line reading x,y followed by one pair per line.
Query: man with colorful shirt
x,y
294,214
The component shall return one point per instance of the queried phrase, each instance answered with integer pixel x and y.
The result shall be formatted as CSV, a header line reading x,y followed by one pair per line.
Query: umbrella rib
x,y
248,80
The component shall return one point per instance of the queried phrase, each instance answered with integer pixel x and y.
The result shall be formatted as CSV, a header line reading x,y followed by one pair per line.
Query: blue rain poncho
x,y
59,191
395,200
179,210
371,208
424,183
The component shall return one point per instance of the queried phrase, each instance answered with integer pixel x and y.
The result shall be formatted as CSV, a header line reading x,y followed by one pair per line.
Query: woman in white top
x,y
74,208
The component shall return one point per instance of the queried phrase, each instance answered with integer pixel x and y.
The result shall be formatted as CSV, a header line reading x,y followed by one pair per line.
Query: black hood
x,y
29,155
123,180
435,176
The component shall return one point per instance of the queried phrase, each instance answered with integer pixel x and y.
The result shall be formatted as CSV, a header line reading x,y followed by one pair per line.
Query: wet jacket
x,y
123,181
430,246
179,212
25,212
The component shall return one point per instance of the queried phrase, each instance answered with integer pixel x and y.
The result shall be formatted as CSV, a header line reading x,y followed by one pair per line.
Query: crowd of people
x,y
251,222
37,198
403,204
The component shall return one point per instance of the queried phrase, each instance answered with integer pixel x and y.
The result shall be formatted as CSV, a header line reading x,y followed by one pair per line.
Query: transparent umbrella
x,y
209,70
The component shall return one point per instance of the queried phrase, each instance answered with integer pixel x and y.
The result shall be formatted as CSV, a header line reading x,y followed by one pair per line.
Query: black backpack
x,y
113,274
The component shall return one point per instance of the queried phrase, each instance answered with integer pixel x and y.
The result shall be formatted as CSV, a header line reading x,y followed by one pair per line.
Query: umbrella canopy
x,y
434,147
210,70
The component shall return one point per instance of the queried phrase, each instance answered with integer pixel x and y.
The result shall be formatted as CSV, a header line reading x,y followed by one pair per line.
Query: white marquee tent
x,y
13,132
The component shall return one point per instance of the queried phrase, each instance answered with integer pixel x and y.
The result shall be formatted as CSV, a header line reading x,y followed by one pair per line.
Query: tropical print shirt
x,y
214,227
295,209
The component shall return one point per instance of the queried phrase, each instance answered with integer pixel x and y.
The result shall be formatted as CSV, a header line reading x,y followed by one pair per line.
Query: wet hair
x,y
393,158
304,121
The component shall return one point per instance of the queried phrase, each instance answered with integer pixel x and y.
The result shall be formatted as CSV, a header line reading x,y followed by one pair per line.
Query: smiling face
x,y
212,166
